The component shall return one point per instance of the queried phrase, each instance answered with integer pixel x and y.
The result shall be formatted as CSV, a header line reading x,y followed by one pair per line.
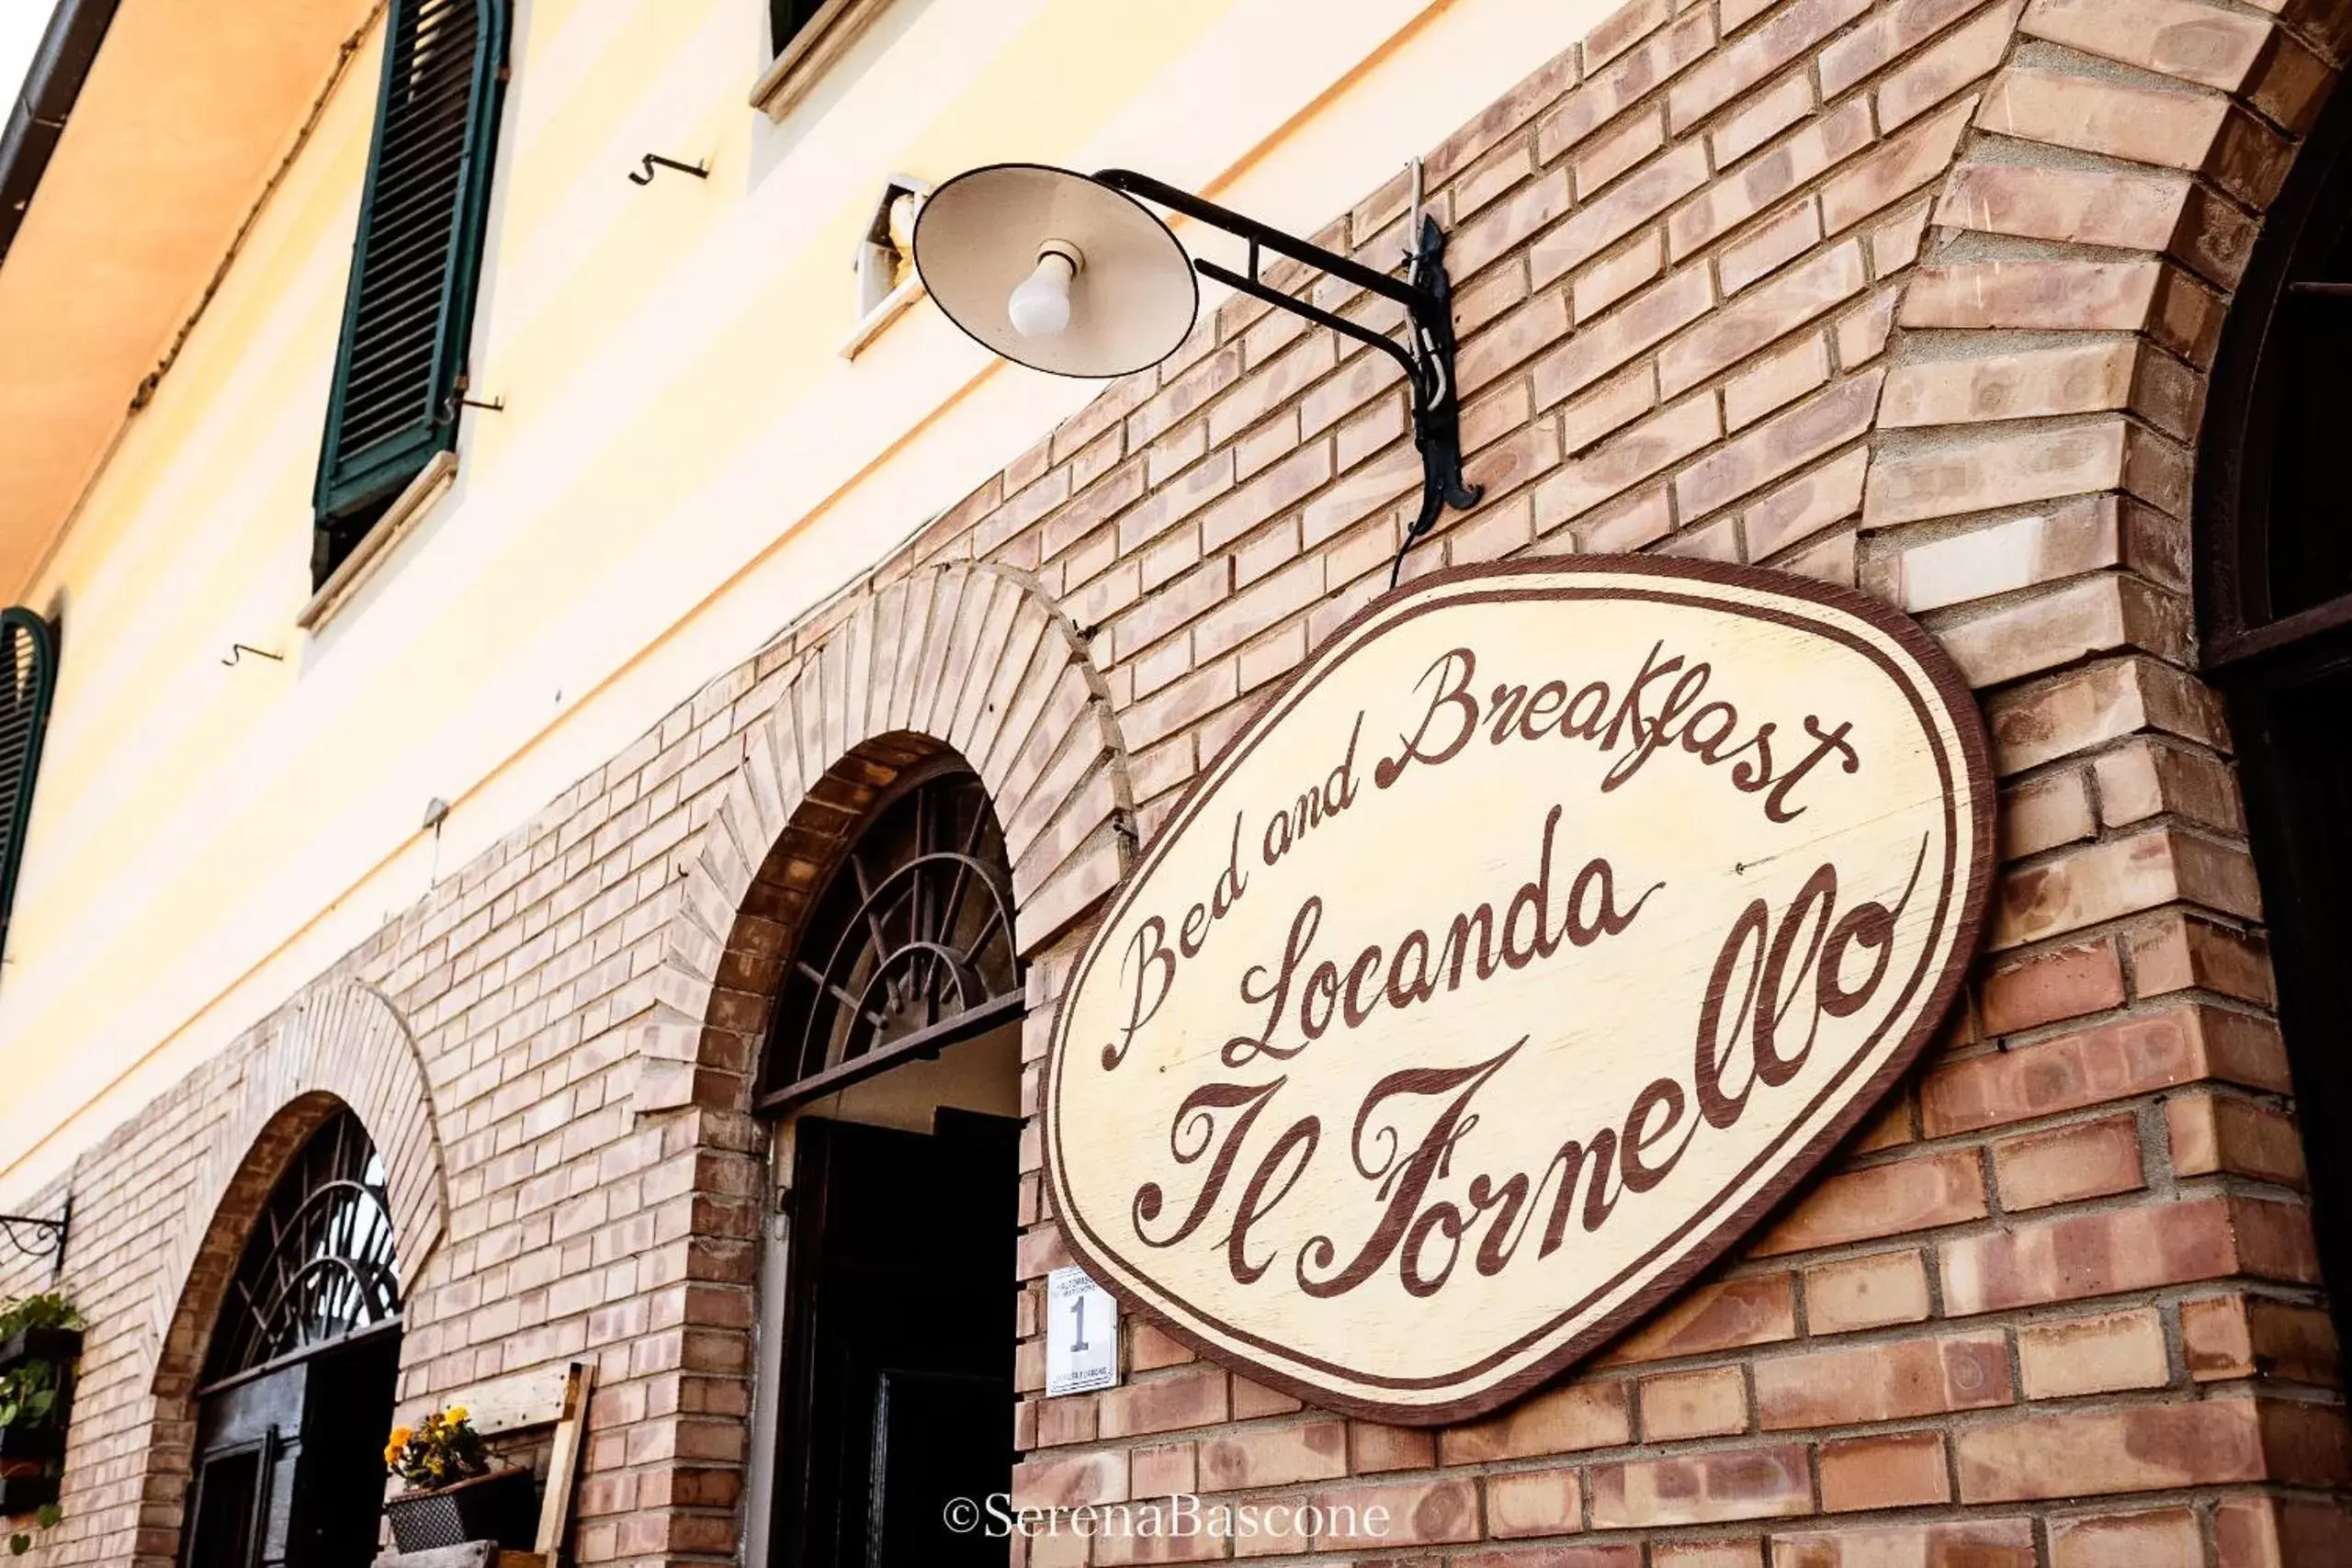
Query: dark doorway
x,y
2294,731
2274,531
899,1342
895,1040
287,1470
302,1374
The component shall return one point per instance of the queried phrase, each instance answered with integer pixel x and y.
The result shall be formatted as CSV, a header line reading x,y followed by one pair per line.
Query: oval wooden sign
x,y
1548,926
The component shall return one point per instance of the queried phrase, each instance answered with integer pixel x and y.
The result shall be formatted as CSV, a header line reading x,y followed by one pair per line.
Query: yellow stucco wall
x,y
685,462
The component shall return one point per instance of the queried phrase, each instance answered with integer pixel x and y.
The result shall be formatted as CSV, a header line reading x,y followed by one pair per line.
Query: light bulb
x,y
1040,305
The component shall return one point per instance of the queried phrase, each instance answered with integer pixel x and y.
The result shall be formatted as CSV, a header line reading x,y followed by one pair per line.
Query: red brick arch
x,y
972,659
2030,489
340,1044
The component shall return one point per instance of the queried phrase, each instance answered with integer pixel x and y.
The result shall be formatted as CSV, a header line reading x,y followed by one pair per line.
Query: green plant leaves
x,y
50,1309
28,1394
47,1517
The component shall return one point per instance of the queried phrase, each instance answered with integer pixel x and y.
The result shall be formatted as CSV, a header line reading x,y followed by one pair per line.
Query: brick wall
x,y
1915,294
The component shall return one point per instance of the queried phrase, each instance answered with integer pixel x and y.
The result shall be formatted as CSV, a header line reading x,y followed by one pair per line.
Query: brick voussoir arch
x,y
2031,487
339,1044
2110,214
973,659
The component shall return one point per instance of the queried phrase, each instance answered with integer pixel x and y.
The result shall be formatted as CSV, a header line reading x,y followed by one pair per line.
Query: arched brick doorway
x,y
890,1084
340,1049
301,1367
965,668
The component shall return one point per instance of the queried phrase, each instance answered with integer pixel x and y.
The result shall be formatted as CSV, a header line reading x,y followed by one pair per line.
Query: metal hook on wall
x,y
652,160
455,400
237,651
47,1237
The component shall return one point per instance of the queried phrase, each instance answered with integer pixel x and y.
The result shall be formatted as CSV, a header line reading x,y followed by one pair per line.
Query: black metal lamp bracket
x,y
1427,355
48,1236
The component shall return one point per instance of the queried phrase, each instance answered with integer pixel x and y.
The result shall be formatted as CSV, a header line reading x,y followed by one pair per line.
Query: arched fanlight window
x,y
320,1263
907,947
2274,517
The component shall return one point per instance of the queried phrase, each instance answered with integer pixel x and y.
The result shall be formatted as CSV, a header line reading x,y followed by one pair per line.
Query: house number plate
x,y
1081,1334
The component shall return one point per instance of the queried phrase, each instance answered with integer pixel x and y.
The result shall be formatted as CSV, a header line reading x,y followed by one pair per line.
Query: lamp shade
x,y
1131,302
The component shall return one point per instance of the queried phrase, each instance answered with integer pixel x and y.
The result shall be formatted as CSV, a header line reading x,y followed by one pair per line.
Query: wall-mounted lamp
x,y
1070,274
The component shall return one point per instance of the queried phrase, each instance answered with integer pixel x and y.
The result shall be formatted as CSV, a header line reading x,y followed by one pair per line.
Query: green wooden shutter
x,y
27,680
417,261
786,17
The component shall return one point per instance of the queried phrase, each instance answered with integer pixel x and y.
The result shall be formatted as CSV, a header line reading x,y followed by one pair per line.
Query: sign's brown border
x,y
1960,704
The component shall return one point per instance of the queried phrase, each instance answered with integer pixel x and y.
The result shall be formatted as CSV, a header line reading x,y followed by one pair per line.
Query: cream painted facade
x,y
1964,307
685,460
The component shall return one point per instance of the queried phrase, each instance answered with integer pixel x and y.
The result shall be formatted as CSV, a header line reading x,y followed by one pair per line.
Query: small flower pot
x,y
23,1494
499,1507
62,1346
40,1444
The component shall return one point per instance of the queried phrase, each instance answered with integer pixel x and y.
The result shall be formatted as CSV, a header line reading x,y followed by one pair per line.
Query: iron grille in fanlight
x,y
27,680
320,1264
908,949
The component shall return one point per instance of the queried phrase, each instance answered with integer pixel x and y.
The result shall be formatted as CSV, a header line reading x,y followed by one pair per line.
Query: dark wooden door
x,y
249,1438
900,1343
225,1503
2291,718
339,1489
290,1461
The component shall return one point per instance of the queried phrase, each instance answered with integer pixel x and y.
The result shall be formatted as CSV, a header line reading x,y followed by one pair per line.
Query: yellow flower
x,y
401,1435
456,1413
